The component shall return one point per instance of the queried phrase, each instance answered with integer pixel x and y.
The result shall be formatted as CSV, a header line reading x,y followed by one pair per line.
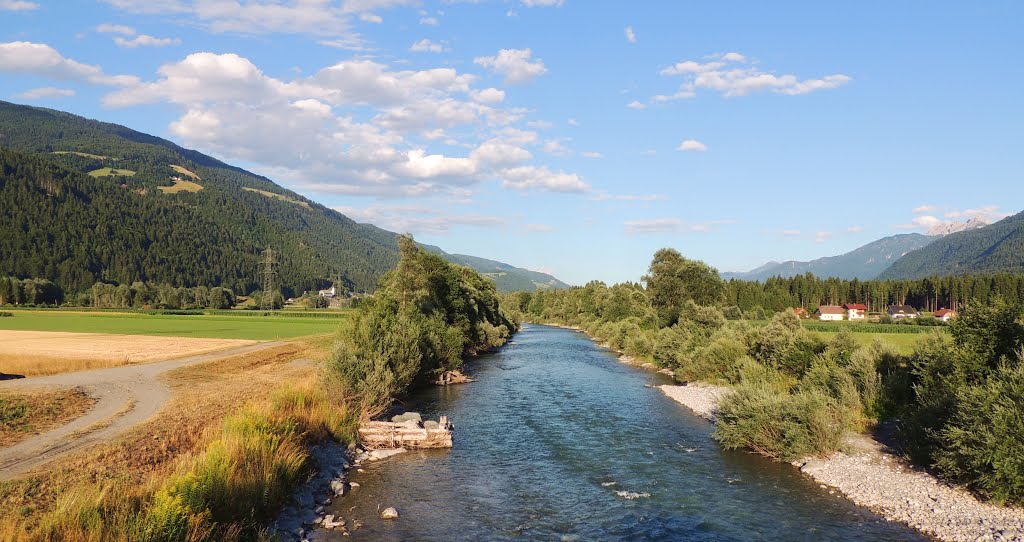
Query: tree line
x,y
929,294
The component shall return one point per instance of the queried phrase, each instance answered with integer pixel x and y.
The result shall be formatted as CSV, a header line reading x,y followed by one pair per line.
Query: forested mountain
x,y
866,262
508,278
996,248
87,201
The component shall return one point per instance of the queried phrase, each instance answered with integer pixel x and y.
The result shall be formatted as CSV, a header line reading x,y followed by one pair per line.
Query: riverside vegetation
x,y
956,399
426,317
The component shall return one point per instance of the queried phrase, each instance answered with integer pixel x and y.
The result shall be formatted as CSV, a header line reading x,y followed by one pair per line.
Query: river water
x,y
557,440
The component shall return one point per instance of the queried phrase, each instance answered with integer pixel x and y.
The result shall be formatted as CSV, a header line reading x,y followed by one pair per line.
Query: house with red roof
x,y
945,314
830,313
856,311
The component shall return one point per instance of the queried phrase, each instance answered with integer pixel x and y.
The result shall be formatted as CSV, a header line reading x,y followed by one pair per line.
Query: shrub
x,y
778,425
6,314
641,344
718,361
981,445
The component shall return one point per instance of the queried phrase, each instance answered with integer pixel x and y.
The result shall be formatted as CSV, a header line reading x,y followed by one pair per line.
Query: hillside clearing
x,y
112,172
180,185
82,154
277,196
186,172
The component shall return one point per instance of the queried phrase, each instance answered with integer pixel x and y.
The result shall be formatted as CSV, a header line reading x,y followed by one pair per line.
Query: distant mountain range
x,y
996,248
866,262
86,201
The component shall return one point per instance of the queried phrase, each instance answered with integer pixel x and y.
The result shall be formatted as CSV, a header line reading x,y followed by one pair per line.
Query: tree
x,y
672,280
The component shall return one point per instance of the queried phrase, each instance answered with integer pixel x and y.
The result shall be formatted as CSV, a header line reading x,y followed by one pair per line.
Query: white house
x,y
899,312
329,294
945,314
856,311
830,313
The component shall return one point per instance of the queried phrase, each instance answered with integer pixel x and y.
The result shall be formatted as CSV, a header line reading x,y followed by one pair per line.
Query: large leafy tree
x,y
672,280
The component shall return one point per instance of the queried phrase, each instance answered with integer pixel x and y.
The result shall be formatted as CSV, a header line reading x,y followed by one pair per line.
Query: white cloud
x,y
636,105
42,60
426,46
542,178
357,127
142,40
371,18
46,92
429,21
791,233
856,228
926,208
692,145
951,218
822,236
591,154
17,5
543,3
107,28
654,225
732,74
417,219
514,64
539,228
555,147
573,122
630,35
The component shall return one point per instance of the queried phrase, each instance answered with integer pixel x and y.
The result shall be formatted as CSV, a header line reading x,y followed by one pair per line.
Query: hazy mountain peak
x,y
947,228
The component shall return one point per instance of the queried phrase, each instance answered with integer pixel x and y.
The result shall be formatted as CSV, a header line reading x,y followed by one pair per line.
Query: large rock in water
x,y
389,513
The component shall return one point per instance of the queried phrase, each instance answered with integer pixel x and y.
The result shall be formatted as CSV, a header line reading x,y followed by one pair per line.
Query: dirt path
x,y
125,395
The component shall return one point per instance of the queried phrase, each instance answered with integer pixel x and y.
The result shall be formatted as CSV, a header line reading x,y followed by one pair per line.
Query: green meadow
x,y
211,326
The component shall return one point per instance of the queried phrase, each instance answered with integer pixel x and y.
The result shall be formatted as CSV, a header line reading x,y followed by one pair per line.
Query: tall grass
x,y
223,492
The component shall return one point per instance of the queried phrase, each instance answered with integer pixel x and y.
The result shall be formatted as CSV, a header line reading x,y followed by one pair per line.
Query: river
x,y
557,440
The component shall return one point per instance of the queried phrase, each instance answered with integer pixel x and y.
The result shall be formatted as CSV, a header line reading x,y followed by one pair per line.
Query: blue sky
x,y
574,137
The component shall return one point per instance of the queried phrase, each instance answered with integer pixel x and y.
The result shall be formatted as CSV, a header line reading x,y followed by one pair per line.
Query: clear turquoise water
x,y
551,433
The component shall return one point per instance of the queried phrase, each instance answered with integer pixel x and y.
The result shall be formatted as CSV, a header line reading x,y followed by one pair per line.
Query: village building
x,y
830,313
329,293
945,314
899,312
856,311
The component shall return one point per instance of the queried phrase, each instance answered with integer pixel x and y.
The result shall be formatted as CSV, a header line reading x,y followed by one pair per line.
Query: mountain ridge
x,y
94,201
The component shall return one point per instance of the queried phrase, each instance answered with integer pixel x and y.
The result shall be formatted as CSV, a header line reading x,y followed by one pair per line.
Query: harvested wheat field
x,y
36,353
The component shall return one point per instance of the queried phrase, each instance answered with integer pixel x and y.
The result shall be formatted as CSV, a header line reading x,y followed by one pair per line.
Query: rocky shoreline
x,y
873,478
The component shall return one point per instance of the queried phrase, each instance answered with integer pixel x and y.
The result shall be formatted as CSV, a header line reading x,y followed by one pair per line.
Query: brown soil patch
x,y
25,413
36,353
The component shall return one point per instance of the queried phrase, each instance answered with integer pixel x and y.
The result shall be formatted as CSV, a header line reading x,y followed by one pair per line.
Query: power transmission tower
x,y
267,270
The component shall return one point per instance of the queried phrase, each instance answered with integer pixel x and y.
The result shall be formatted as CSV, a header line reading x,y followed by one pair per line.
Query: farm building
x,y
899,312
855,311
329,293
945,314
830,313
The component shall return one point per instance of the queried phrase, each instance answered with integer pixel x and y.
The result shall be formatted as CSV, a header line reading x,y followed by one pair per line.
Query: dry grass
x,y
39,353
25,413
186,172
203,395
111,172
277,196
83,154
180,185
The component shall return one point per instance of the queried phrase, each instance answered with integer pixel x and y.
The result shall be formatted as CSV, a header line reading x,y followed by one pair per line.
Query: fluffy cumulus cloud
x,y
928,218
357,127
733,74
692,145
42,60
127,36
516,65
17,5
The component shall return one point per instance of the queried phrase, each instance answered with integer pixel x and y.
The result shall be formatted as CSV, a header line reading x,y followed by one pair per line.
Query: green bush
x,y
6,314
981,444
783,426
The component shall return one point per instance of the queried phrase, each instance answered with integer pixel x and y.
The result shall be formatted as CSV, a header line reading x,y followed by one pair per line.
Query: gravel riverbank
x,y
871,477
